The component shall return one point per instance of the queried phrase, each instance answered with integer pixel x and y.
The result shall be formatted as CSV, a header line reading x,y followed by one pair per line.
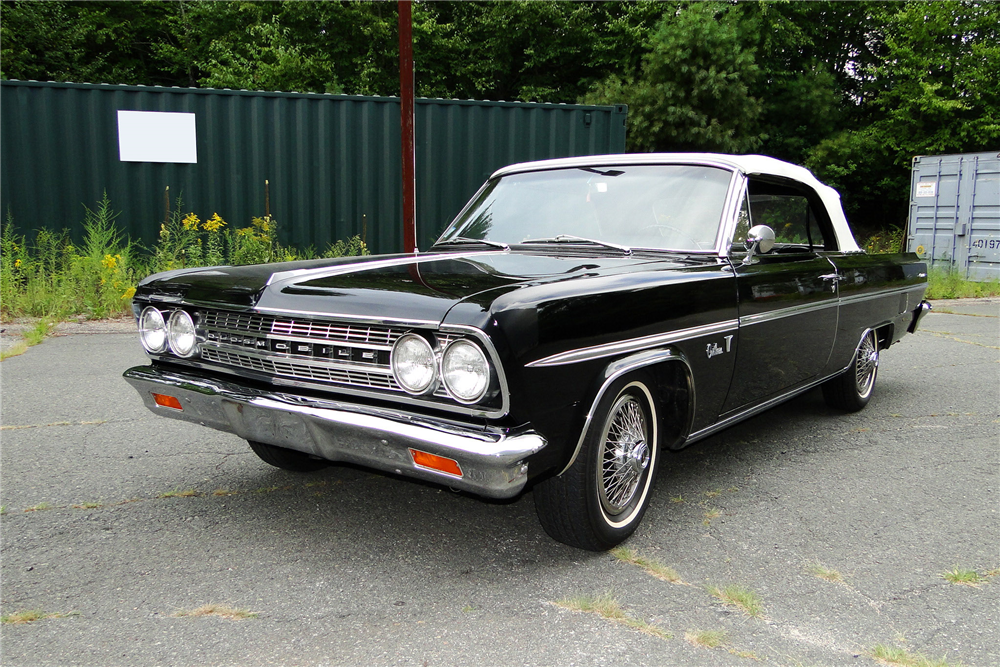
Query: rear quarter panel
x,y
875,291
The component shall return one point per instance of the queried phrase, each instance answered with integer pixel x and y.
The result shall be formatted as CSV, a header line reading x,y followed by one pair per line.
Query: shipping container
x,y
332,162
954,217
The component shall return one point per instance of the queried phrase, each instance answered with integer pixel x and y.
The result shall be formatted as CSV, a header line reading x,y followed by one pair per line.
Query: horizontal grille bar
x,y
301,370
319,330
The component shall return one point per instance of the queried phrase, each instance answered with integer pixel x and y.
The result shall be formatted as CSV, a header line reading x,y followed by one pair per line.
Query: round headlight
x,y
181,335
465,371
413,364
152,330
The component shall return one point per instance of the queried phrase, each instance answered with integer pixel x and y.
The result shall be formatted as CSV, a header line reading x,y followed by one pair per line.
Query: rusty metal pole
x,y
406,126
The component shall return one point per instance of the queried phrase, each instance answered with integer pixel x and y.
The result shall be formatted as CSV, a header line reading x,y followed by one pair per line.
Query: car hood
x,y
418,288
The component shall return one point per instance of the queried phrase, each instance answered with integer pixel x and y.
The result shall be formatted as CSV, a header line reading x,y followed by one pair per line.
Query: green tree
x,y
935,89
693,90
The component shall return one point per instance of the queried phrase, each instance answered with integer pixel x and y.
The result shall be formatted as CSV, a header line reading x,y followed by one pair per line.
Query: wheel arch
x,y
673,390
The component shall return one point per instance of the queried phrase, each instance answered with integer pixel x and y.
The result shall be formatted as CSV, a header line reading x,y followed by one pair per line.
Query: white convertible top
x,y
761,165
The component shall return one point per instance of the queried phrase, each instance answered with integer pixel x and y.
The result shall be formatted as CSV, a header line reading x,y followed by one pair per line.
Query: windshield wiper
x,y
463,240
568,238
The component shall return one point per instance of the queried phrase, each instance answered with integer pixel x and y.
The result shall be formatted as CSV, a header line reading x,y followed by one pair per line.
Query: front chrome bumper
x,y
491,460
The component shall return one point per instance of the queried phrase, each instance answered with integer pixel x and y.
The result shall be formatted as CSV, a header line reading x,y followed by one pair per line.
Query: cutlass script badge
x,y
713,349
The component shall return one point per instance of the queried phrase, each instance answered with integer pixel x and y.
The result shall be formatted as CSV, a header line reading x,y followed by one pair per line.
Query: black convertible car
x,y
579,319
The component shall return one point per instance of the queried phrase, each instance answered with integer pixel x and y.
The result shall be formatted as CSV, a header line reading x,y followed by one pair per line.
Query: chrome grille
x,y
301,370
313,350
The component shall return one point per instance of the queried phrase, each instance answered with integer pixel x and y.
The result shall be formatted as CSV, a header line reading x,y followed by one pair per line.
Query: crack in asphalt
x,y
947,335
87,422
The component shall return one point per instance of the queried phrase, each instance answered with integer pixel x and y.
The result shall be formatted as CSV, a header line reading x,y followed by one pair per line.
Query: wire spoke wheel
x,y
602,496
625,457
852,389
866,365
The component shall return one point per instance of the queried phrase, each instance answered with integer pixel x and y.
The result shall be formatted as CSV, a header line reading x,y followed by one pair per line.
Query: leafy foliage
x,y
693,89
853,90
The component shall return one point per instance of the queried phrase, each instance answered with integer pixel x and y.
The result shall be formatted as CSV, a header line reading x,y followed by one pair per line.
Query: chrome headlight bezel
x,y
152,324
455,372
182,336
414,353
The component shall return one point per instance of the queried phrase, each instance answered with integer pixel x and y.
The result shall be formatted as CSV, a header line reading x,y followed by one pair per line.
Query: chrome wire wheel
x,y
625,455
866,365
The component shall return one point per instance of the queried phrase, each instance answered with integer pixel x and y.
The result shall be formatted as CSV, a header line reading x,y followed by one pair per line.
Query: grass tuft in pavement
x,y
740,597
963,576
651,566
893,655
705,638
223,610
606,606
30,616
825,573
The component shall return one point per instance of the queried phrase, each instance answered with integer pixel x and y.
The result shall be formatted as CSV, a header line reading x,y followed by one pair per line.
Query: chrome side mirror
x,y
760,239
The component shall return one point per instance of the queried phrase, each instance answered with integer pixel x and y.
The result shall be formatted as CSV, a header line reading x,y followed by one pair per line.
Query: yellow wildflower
x,y
17,263
190,221
214,224
129,293
109,262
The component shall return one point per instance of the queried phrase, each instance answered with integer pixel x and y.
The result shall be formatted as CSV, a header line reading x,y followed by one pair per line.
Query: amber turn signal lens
x,y
167,401
435,462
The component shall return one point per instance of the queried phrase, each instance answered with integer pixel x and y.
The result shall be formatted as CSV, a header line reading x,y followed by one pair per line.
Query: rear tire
x,y
287,459
599,501
852,389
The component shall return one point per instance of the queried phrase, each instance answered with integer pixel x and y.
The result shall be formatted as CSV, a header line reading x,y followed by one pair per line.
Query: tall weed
x,y
51,276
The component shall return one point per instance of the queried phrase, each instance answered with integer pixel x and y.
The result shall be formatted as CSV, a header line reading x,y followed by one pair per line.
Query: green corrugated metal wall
x,y
332,160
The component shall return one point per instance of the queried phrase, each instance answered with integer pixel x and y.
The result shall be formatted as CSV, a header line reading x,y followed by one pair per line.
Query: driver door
x,y
788,298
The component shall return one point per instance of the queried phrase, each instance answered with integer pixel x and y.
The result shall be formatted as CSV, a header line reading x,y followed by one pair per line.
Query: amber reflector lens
x,y
167,401
434,462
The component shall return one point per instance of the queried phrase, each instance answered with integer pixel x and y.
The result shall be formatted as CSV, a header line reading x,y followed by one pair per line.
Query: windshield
x,y
670,207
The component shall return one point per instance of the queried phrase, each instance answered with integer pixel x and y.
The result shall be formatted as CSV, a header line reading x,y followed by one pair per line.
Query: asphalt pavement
x,y
117,524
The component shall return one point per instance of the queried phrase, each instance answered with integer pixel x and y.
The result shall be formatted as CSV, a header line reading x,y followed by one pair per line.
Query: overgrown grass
x,y
33,337
51,276
945,284
606,606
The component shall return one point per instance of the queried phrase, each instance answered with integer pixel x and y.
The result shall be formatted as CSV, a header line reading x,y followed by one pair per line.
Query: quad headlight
x,y
153,330
181,336
413,364
465,371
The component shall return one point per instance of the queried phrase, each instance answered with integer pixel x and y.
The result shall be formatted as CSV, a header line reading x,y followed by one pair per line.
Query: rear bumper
x,y
918,314
491,460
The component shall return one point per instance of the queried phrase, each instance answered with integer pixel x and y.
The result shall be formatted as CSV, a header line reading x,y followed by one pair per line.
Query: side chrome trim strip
x,y
632,345
621,367
854,298
792,311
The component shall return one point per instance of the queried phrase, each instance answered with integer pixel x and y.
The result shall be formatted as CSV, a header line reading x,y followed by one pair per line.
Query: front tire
x,y
599,501
286,459
852,389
